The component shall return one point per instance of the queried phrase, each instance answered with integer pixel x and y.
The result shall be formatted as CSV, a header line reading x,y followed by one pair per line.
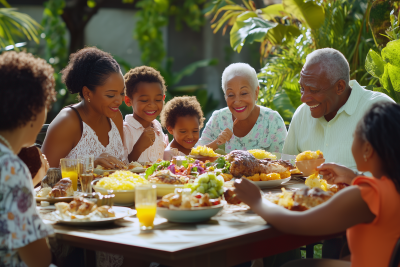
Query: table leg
x,y
90,258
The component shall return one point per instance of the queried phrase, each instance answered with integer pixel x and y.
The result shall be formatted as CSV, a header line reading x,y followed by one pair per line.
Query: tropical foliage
x,y
288,32
386,65
15,26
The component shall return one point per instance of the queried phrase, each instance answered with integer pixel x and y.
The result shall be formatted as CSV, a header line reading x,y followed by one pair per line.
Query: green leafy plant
x,y
386,67
15,26
288,32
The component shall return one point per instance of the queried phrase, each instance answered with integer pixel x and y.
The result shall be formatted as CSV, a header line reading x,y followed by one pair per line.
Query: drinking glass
x,y
85,170
146,205
69,169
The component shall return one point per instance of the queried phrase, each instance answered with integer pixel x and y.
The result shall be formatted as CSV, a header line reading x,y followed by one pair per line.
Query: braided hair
x,y
380,126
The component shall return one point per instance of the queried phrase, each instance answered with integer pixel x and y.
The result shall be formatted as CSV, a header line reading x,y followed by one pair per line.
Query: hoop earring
x,y
365,158
88,99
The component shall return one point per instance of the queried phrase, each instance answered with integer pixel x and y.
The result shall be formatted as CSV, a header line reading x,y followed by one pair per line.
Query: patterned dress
x,y
20,223
268,133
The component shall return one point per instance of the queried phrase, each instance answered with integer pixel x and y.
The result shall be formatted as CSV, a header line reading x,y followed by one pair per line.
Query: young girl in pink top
x,y
145,93
369,209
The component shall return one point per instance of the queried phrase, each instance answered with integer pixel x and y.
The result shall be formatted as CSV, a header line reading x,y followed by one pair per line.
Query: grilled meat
x,y
245,164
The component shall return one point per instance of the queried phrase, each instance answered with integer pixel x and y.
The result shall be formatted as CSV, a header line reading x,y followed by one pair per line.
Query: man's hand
x,y
247,192
334,173
224,137
108,161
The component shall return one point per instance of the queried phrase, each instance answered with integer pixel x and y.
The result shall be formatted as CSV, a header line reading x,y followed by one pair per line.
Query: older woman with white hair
x,y
243,124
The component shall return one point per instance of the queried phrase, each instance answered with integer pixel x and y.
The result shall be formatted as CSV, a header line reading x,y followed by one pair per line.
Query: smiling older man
x,y
332,106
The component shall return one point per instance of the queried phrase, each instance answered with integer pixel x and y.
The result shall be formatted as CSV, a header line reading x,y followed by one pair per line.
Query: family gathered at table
x,y
357,129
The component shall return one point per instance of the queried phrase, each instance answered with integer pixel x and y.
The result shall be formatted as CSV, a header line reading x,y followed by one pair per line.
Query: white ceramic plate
x,y
271,184
120,212
165,189
55,200
190,215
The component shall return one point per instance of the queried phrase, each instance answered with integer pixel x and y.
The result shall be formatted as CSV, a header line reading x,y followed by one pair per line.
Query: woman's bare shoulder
x,y
66,124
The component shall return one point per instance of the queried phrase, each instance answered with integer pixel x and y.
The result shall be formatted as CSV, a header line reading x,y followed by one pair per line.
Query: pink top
x,y
132,132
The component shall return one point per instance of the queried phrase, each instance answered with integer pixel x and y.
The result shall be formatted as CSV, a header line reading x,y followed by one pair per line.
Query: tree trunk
x,y
76,15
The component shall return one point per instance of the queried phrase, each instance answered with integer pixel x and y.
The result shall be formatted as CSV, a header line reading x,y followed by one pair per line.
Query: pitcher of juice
x,y
146,205
69,169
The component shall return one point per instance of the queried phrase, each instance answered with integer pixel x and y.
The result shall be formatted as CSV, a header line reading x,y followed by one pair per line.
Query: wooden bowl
x,y
308,167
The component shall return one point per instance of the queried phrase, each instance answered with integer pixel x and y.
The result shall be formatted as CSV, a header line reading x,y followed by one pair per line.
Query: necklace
x,y
6,143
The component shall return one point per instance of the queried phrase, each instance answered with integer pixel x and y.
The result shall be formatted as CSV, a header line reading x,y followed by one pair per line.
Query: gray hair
x,y
242,70
333,63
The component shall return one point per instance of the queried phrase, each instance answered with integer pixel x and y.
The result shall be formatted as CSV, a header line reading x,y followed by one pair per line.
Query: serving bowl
x,y
308,167
122,197
189,215
165,189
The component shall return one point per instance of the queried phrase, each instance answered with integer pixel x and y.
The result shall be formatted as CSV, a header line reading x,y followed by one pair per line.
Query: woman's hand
x,y
247,192
334,173
108,161
224,137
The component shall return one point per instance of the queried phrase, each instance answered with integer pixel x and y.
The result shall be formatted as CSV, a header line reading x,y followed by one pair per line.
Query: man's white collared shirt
x,y
333,138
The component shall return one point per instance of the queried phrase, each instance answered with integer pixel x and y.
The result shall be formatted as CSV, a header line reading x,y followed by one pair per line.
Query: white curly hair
x,y
242,70
333,63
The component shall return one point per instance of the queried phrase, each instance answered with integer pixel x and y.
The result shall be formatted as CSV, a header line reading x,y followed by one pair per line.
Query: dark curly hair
x,y
142,74
26,87
380,127
181,106
88,67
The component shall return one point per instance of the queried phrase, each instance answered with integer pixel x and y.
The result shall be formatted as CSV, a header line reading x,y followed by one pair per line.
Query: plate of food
x,y
122,184
204,153
166,182
187,208
82,212
271,183
62,191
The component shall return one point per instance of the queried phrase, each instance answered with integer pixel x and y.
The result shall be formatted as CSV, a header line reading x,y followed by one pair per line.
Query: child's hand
x,y
335,173
147,138
247,192
224,137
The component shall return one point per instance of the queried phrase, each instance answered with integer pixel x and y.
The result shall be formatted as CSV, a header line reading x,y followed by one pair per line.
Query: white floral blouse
x,y
269,132
20,223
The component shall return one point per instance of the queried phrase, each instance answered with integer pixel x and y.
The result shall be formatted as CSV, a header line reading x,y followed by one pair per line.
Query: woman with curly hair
x,y
183,118
94,125
26,91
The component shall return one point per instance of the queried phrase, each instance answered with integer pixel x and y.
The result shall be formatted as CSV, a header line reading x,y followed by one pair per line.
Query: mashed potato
x,y
314,181
203,151
307,155
262,154
121,180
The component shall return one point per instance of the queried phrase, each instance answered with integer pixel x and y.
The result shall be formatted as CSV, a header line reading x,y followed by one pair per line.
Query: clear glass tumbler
x,y
69,169
146,205
85,171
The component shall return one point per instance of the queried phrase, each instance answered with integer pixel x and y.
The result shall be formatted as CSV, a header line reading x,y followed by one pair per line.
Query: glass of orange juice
x,y
146,205
69,169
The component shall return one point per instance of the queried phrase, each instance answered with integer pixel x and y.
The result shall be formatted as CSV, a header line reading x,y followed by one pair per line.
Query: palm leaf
x,y
14,25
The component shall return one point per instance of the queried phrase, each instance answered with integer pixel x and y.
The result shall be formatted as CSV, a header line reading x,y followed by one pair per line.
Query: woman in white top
x,y
94,125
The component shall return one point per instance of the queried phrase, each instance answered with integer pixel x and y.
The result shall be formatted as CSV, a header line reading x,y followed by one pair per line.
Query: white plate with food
x,y
81,212
61,192
271,183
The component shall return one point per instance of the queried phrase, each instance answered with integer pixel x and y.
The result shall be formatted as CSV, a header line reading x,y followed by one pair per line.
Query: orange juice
x,y
73,176
146,214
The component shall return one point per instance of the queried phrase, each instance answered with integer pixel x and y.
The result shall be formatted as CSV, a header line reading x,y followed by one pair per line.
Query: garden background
x,y
191,41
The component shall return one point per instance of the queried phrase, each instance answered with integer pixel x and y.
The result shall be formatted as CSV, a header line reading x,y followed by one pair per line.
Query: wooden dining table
x,y
232,237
